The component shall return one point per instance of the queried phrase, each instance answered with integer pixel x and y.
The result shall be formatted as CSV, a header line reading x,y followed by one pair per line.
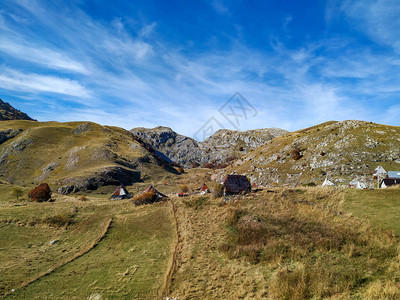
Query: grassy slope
x,y
74,149
345,154
130,261
381,207
328,255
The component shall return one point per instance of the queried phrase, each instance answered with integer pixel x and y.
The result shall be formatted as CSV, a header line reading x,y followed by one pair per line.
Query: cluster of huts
x,y
232,184
237,184
384,179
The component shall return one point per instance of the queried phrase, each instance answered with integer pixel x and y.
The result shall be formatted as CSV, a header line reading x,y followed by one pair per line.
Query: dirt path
x,y
172,264
202,271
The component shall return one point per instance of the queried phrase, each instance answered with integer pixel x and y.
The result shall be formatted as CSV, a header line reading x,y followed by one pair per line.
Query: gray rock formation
x,y
220,148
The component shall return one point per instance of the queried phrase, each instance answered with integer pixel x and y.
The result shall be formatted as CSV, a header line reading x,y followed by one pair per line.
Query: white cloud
x,y
31,82
380,19
41,55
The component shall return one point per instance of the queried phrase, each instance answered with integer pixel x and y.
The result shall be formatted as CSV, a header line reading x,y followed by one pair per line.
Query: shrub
x,y
145,198
83,198
296,154
218,190
40,193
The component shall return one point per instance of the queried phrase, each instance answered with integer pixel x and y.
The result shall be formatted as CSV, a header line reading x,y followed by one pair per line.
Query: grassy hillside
x,y
341,150
129,258
283,244
76,155
275,244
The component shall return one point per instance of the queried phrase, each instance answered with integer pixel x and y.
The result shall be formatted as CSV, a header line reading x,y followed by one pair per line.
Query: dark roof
x,y
236,184
391,181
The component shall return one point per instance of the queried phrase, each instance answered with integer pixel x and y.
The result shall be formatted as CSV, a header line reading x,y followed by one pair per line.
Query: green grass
x,y
129,263
381,207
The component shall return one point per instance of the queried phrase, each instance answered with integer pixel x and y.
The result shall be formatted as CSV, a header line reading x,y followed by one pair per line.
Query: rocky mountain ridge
x,y
340,151
219,149
7,112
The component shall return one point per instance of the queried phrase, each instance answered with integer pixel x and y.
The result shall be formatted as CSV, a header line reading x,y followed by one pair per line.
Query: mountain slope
x,y
7,112
74,156
339,150
220,148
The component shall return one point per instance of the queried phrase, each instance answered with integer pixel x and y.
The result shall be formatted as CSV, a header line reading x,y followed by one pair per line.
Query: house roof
x,y
236,184
391,181
380,171
121,192
204,188
393,174
153,189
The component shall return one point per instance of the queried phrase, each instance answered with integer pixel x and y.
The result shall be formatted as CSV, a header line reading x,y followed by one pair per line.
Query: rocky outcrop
x,y
109,176
340,150
7,112
220,148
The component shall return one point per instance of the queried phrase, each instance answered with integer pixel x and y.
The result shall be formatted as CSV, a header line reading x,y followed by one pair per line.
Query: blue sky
x,y
176,63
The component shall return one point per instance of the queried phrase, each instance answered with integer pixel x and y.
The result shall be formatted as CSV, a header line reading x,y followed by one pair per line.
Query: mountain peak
x,y
7,112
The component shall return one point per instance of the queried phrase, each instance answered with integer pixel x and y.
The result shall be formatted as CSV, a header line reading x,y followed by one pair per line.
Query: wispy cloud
x,y
30,82
113,67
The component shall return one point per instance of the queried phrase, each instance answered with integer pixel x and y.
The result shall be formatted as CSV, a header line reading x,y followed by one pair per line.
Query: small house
x,y
389,182
120,193
235,184
152,189
327,182
355,183
204,189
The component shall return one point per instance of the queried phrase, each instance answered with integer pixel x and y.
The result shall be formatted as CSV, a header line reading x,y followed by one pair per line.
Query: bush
x,y
40,193
296,154
145,198
83,198
218,190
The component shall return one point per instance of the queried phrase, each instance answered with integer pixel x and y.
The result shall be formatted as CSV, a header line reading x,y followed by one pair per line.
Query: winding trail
x,y
166,288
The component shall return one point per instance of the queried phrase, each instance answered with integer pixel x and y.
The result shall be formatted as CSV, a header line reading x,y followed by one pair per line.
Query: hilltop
x,y
220,148
340,150
74,156
7,112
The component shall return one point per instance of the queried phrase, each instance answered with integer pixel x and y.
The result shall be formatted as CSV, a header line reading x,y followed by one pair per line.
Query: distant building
x,y
327,182
389,182
204,189
235,184
355,183
393,178
120,193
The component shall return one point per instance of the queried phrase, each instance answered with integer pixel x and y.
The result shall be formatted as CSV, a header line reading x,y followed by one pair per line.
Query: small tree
x,y
17,192
40,193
